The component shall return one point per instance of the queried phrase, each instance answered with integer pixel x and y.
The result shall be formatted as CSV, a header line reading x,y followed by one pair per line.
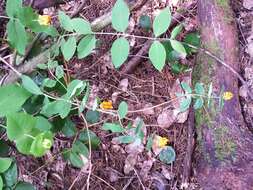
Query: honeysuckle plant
x,y
36,109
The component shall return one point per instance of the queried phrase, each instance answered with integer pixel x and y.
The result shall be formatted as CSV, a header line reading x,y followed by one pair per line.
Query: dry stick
x,y
189,150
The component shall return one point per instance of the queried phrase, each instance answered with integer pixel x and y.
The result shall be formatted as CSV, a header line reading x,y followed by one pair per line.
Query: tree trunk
x,y
225,145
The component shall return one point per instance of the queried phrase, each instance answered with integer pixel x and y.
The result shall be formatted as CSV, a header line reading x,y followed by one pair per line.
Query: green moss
x,y
225,6
224,145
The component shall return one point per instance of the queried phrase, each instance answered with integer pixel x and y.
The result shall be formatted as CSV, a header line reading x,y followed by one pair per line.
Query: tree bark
x,y
225,145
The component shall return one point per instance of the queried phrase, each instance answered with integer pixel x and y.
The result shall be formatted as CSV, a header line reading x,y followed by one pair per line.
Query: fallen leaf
x,y
248,4
166,118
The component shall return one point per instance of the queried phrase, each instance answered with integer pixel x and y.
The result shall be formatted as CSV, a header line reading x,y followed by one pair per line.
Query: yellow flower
x,y
227,95
44,20
106,105
162,142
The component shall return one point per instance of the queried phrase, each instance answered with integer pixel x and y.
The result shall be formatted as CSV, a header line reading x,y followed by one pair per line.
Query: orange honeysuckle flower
x,y
44,20
162,142
106,105
227,95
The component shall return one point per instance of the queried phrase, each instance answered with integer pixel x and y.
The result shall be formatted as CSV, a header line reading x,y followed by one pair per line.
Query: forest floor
x,y
144,89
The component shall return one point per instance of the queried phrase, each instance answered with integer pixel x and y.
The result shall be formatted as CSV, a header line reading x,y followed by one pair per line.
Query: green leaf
x,y
199,89
149,143
145,22
120,16
41,144
125,139
43,124
24,186
192,39
4,148
119,51
186,87
69,128
157,55
12,97
49,83
167,155
113,127
76,160
198,103
81,26
68,48
92,116
61,107
178,47
30,85
86,46
65,21
10,177
176,31
185,104
5,163
12,7
1,183
80,148
19,124
122,110
95,141
75,88
162,22
17,36
59,72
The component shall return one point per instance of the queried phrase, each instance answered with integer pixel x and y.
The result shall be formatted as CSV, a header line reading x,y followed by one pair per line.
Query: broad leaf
x,y
49,83
68,48
61,107
186,87
122,110
59,72
177,46
69,128
167,155
113,127
199,89
84,137
185,104
12,97
10,177
24,186
157,55
85,46
120,16
5,163
75,88
65,21
145,22
12,7
92,116
162,22
80,148
81,26
4,148
76,160
30,85
176,31
43,124
17,36
19,124
119,51
198,103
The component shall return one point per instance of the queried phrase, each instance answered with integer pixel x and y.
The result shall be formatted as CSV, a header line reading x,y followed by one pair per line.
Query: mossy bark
x,y
224,142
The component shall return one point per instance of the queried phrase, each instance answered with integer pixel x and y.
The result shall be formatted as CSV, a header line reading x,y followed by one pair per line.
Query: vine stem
x,y
11,67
